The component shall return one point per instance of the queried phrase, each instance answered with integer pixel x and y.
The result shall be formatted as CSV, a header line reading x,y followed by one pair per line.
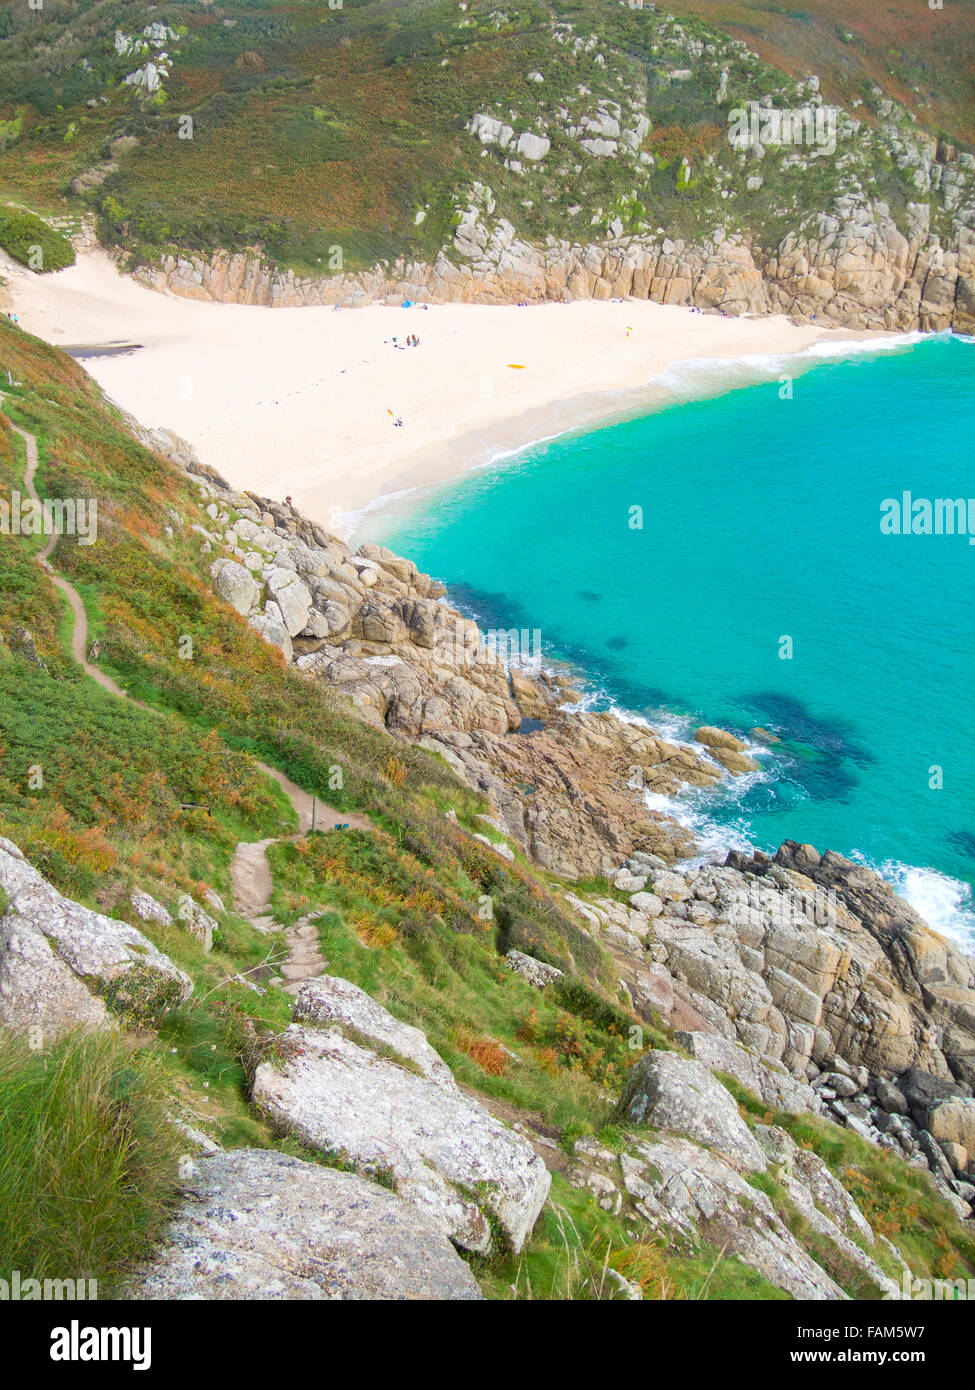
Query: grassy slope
x,y
315,128
923,58
401,906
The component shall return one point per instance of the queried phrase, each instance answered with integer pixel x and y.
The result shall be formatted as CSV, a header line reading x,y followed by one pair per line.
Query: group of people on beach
x,y
412,340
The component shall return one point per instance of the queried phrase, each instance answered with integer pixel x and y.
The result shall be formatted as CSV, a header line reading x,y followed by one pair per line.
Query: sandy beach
x,y
304,401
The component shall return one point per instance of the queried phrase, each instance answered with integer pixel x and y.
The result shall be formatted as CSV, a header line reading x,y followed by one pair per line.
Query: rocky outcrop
x,y
256,1224
845,268
765,1078
703,1173
671,1092
371,1090
64,966
679,1186
902,996
376,632
813,986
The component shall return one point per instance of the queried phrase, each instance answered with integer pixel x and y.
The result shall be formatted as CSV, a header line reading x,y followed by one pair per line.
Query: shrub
x,y
33,242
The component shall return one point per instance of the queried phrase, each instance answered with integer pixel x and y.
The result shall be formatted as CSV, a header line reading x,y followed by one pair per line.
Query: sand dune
x,y
298,401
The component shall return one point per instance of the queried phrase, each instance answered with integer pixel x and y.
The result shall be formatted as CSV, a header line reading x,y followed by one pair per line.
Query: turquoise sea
x,y
761,522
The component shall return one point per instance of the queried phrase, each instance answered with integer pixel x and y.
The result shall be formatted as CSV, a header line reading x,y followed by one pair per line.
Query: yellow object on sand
x,y
518,366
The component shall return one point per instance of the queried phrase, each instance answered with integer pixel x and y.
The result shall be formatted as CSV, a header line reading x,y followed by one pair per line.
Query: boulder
x,y
671,887
292,596
736,763
537,972
627,882
891,1098
274,632
678,1094
64,966
146,907
373,622
235,585
922,1092
533,147
953,1121
764,1077
330,1000
956,1155
719,738
647,904
256,1224
364,1089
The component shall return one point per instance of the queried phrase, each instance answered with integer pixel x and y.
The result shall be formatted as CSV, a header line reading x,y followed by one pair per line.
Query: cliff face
x,y
857,273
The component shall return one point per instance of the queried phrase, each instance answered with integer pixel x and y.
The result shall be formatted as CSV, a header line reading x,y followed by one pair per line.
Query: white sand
x,y
295,401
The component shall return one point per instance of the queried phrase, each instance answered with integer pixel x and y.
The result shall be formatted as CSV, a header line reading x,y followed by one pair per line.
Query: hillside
x,y
482,927
923,56
478,152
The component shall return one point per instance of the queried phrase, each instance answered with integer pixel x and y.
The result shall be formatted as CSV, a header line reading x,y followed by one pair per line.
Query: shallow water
x,y
758,590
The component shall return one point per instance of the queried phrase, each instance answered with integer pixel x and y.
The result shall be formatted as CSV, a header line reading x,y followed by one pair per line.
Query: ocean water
x,y
759,590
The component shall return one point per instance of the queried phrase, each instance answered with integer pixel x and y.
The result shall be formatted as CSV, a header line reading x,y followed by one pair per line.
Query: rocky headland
x,y
802,975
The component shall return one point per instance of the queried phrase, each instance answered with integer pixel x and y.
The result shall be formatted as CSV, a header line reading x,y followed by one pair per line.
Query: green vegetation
x,y
899,1201
89,1165
579,1252
416,912
32,242
923,64
331,139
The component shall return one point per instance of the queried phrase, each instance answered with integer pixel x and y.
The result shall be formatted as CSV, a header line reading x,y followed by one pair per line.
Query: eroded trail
x,y
251,878
79,634
253,884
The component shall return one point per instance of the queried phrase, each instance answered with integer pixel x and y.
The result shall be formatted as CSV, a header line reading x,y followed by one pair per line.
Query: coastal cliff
x,y
807,960
857,273
634,153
